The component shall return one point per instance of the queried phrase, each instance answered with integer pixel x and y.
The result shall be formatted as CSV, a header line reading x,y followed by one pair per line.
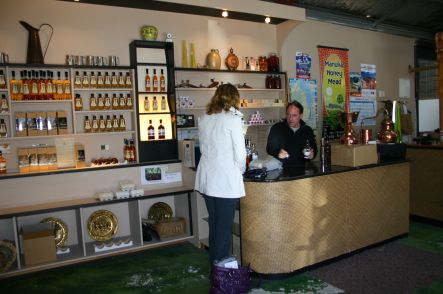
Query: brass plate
x,y
102,225
60,230
159,211
8,253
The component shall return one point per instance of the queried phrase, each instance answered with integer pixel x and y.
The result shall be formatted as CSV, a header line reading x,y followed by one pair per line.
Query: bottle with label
x,y
108,123
87,125
132,151
128,80
154,81
93,80
49,85
114,81
3,129
164,104
151,131
25,86
325,151
122,101
2,80
100,102
100,80
2,164
13,83
161,131
146,104
20,84
126,151
107,80
42,86
34,85
147,81
129,102
154,104
92,102
78,102
162,81
101,124
59,86
115,104
67,87
107,102
94,124
77,80
85,80
115,123
122,123
254,152
121,81
307,150
4,106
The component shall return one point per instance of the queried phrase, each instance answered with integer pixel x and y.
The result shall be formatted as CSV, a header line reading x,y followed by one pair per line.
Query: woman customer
x,y
222,163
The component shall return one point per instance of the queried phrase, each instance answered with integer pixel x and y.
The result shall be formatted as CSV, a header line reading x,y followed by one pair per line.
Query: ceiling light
x,y
267,19
225,13
368,16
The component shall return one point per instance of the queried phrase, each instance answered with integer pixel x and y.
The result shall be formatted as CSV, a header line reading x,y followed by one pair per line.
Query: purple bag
x,y
230,280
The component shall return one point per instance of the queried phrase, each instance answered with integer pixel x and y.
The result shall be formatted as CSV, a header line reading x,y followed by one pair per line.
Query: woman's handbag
x,y
230,280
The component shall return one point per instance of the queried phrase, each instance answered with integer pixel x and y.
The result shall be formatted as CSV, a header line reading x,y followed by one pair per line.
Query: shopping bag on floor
x,y
230,280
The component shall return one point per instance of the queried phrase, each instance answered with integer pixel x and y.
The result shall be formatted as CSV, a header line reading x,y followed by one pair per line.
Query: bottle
x,y
107,102
132,151
155,81
100,102
307,150
114,81
254,152
121,81
325,152
146,104
163,103
101,124
126,151
59,87
100,80
162,82
277,82
34,86
4,107
122,101
93,80
95,125
129,102
161,131
115,104
3,129
122,123
13,83
2,80
85,80
151,131
25,86
248,153
2,164
128,80
41,84
92,102
77,80
49,85
115,125
108,123
78,102
154,104
107,81
20,86
87,125
67,87
147,81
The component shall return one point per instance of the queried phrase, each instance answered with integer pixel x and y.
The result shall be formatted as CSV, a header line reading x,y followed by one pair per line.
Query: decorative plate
x,y
8,253
102,225
60,230
159,211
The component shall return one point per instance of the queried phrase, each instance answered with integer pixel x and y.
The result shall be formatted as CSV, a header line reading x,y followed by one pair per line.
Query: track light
x,y
267,19
225,13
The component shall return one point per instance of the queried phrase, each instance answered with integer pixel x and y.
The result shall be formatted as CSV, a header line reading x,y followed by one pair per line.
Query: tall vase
x,y
213,60
192,56
184,54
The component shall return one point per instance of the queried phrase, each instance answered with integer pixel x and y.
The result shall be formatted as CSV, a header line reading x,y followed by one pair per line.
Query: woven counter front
x,y
288,225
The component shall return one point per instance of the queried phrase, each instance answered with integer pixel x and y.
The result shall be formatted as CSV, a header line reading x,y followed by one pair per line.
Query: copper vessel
x,y
348,119
387,133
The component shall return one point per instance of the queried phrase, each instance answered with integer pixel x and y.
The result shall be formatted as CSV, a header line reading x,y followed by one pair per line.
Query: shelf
x,y
239,89
103,89
152,93
4,90
252,107
105,133
151,64
187,128
5,113
229,71
41,101
103,111
63,135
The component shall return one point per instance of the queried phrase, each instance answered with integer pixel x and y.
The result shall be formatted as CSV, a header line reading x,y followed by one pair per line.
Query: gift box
x,y
38,244
353,155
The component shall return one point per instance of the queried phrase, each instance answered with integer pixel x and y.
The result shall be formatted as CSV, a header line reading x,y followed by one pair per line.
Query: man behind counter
x,y
287,138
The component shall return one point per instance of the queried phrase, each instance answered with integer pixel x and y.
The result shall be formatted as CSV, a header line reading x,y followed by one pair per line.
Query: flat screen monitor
x,y
428,115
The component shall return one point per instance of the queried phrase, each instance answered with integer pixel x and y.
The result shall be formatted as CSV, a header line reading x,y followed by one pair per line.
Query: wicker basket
x,y
171,227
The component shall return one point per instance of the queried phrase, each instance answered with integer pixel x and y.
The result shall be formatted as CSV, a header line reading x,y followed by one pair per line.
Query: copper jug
x,y
35,54
348,118
387,133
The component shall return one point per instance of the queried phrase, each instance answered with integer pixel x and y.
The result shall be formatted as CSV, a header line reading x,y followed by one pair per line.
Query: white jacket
x,y
223,155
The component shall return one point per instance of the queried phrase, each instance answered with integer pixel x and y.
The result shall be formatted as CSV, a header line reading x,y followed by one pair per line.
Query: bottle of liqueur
x,y
115,123
78,102
161,131
13,83
107,80
121,81
146,104
42,86
154,81
132,151
162,81
25,86
151,131
92,102
307,150
67,87
94,124
49,85
101,124
100,80
163,104
2,80
20,86
2,164
122,123
107,101
129,102
77,80
4,106
122,101
100,102
128,80
93,80
126,151
85,80
114,80
115,104
147,81
34,86
3,129
59,87
87,127
154,104
108,123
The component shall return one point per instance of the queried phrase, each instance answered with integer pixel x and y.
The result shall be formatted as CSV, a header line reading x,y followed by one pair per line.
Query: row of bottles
x,y
101,124
153,105
155,84
40,85
273,82
129,151
4,105
107,81
161,132
105,102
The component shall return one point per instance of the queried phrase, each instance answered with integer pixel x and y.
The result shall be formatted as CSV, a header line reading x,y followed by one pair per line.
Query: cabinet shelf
x,y
5,113
40,101
4,90
103,111
239,89
103,89
105,133
228,71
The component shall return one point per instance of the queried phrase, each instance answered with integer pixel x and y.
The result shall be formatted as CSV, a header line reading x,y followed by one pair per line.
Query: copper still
x,y
387,133
348,119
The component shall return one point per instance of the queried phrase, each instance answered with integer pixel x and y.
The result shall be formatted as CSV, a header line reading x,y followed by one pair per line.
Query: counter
x,y
303,216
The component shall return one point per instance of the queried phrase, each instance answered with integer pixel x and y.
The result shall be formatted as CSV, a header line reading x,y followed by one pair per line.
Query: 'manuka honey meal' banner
x,y
334,80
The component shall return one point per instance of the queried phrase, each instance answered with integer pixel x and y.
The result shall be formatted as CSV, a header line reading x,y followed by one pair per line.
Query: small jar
x,y
273,63
263,63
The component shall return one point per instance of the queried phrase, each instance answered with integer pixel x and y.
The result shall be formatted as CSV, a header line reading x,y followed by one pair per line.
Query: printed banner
x,y
305,92
334,79
303,65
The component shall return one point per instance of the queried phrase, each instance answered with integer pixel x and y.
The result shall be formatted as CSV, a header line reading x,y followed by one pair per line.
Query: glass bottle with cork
x,y
129,101
162,81
78,102
151,131
67,87
154,81
161,131
147,81
87,125
4,107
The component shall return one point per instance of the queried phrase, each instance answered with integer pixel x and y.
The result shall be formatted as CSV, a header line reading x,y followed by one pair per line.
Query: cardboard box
x,y
186,152
42,128
353,155
23,160
38,244
33,159
80,155
43,158
62,122
21,129
52,157
51,122
31,122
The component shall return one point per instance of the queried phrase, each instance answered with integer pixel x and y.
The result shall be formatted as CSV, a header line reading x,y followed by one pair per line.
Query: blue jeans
x,y
221,217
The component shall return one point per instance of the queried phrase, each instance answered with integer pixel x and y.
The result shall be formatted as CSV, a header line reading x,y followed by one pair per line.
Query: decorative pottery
x,y
213,60
60,230
159,211
149,33
387,134
231,60
348,119
102,225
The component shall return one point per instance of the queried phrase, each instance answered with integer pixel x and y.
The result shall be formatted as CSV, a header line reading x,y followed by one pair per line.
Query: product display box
x,y
354,155
62,122
38,244
20,124
186,152
51,122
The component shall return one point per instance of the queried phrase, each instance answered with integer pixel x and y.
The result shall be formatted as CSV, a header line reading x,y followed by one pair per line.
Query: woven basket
x,y
171,227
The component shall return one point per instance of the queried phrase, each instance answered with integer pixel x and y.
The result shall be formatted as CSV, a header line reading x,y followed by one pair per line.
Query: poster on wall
x,y
368,76
158,175
302,65
305,92
334,79
355,84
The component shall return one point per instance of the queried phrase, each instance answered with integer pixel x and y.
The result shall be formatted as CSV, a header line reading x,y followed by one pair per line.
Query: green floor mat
x,y
425,237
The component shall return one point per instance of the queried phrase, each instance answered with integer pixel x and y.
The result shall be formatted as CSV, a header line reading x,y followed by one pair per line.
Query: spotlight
x,y
225,13
267,19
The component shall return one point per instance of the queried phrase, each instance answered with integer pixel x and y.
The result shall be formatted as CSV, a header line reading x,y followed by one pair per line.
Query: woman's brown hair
x,y
225,97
